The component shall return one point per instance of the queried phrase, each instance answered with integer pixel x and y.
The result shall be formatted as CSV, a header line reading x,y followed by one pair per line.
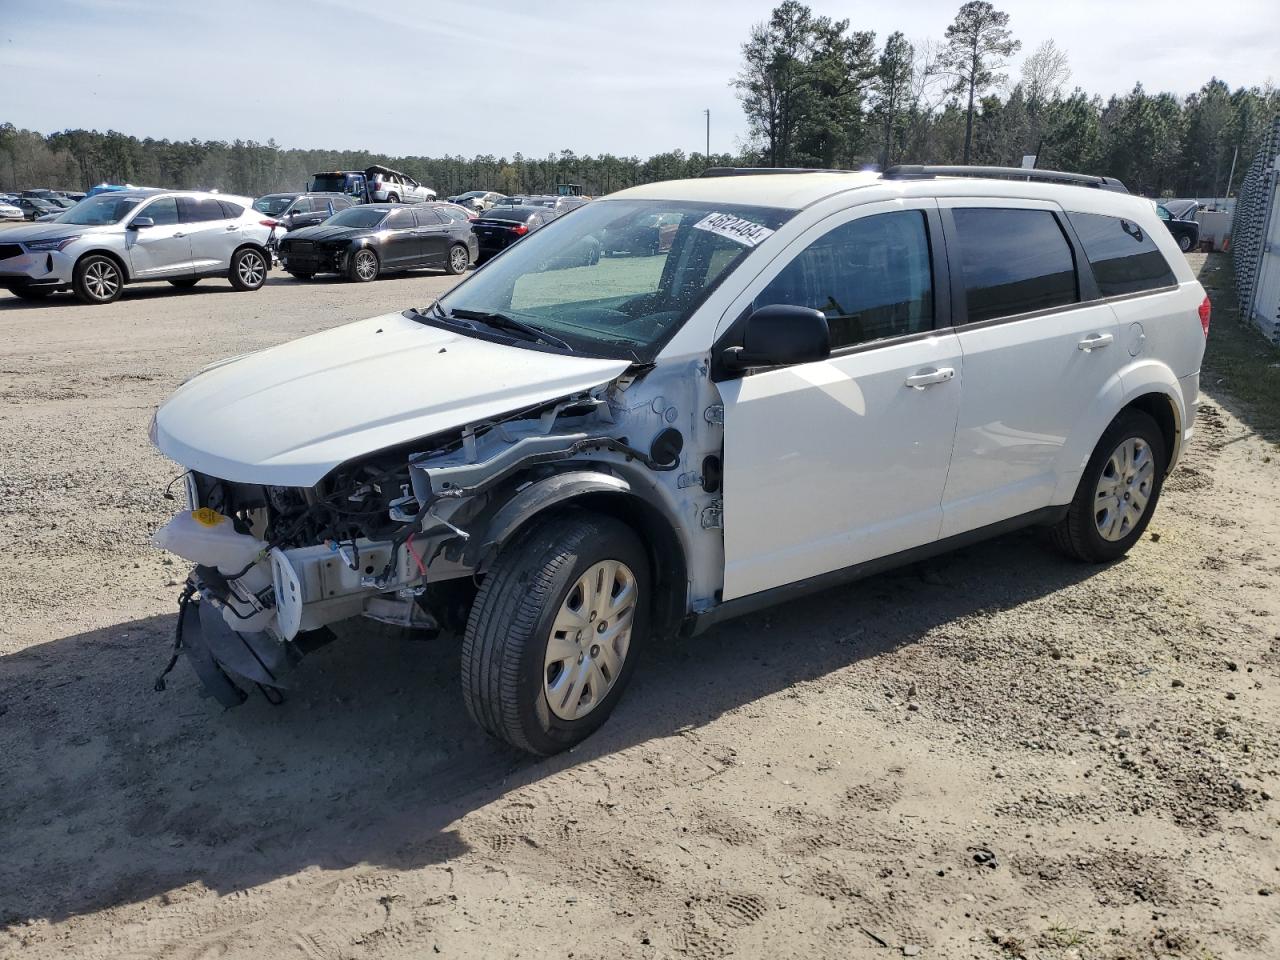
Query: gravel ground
x,y
995,754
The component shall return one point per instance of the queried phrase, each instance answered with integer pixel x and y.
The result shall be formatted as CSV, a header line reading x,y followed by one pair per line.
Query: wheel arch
x,y
111,255
610,496
254,245
1161,408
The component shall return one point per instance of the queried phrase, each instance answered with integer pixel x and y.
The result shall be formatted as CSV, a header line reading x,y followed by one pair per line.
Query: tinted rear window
x,y
1013,261
1124,257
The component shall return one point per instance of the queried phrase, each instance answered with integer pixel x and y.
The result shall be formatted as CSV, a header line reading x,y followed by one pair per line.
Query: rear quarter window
x,y
1122,254
231,210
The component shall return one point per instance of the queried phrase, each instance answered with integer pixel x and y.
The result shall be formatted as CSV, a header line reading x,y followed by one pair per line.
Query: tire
x,y
300,275
1080,534
249,269
458,260
97,279
363,266
185,284
510,688
392,198
31,293
1184,243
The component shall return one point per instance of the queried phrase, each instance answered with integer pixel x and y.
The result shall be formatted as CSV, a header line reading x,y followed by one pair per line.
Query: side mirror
x,y
141,223
780,335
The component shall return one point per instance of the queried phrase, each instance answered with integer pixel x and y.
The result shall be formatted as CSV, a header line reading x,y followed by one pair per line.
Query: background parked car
x,y
33,207
368,240
1186,232
292,211
653,235
477,200
502,226
133,236
9,210
392,186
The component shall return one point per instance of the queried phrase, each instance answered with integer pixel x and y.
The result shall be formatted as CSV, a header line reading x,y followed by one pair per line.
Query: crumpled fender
x,y
533,499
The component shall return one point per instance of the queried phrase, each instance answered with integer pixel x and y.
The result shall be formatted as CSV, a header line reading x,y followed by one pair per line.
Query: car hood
x,y
288,415
44,231
320,233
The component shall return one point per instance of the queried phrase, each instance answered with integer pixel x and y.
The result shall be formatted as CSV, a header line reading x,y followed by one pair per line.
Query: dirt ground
x,y
995,754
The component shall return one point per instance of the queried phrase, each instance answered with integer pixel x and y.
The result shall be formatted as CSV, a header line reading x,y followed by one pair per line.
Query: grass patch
x,y
1240,366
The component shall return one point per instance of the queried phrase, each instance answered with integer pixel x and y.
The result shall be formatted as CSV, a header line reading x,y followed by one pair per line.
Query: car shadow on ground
x,y
111,793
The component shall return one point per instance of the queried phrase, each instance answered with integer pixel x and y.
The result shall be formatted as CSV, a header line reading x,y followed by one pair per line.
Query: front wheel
x,y
459,260
554,630
248,269
97,279
1118,491
363,266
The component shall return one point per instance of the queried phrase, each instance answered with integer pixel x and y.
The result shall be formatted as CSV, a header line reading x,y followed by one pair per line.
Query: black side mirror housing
x,y
780,335
141,223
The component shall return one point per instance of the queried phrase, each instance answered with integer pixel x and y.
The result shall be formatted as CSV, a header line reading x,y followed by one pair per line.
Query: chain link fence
x,y
1255,238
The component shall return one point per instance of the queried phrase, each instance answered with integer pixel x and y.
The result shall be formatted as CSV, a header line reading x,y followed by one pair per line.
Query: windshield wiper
x,y
503,322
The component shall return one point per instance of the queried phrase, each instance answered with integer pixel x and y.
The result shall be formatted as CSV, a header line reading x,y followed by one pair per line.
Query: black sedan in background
x,y
1182,223
370,239
500,227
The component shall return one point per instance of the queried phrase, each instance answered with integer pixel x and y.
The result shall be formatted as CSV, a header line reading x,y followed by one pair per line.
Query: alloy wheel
x,y
102,279
1124,488
589,639
252,269
366,265
458,258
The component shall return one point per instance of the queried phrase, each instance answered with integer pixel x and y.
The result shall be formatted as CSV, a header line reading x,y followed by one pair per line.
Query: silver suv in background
x,y
132,236
392,186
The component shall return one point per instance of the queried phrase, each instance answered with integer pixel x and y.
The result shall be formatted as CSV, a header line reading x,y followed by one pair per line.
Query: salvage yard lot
x,y
997,753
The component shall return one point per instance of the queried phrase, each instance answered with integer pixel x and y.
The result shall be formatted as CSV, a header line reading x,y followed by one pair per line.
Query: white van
x,y
821,375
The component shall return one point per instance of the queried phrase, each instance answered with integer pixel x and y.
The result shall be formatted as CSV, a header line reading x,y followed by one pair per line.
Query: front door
x,y
1037,355
399,243
162,249
834,463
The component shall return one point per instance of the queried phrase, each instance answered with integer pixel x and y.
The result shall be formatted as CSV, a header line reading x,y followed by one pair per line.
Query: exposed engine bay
x,y
401,536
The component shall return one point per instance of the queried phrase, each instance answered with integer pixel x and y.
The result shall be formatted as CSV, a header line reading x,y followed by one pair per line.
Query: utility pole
x,y
708,154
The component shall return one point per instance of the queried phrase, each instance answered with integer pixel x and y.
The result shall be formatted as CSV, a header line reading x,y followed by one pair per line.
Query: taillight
x,y
1206,311
519,229
269,223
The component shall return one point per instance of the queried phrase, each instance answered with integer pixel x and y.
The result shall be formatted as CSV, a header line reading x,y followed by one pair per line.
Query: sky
x,y
412,77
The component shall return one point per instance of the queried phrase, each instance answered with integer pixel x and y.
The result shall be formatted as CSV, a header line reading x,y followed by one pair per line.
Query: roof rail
x,y
755,171
918,171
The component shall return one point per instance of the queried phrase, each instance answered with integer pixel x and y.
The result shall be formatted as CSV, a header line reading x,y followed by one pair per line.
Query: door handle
x,y
232,227
1095,342
178,236
927,378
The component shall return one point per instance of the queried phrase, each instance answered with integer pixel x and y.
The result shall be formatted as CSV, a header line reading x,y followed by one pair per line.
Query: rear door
x,y
433,236
1039,350
162,250
834,463
214,236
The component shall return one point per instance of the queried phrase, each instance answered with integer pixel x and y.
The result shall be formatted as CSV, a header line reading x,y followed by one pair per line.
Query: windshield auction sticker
x,y
741,231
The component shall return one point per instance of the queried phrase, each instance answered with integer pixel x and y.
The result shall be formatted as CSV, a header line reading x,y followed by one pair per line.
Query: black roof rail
x,y
755,171
919,171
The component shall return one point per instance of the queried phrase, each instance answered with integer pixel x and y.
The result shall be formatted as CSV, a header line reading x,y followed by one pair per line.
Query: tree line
x,y
816,92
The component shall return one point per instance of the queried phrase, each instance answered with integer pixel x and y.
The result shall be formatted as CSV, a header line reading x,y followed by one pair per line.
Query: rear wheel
x,y
459,260
186,283
1184,243
1118,491
363,266
248,269
97,279
553,633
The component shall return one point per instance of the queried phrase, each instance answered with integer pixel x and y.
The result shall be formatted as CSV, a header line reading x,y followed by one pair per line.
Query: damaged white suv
x,y
822,374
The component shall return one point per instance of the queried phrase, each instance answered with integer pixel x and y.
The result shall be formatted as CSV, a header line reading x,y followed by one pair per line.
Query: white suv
x,y
132,236
822,375
392,186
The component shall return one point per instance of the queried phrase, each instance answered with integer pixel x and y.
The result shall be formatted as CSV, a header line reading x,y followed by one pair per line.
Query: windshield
x,y
357,217
273,206
105,208
608,280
